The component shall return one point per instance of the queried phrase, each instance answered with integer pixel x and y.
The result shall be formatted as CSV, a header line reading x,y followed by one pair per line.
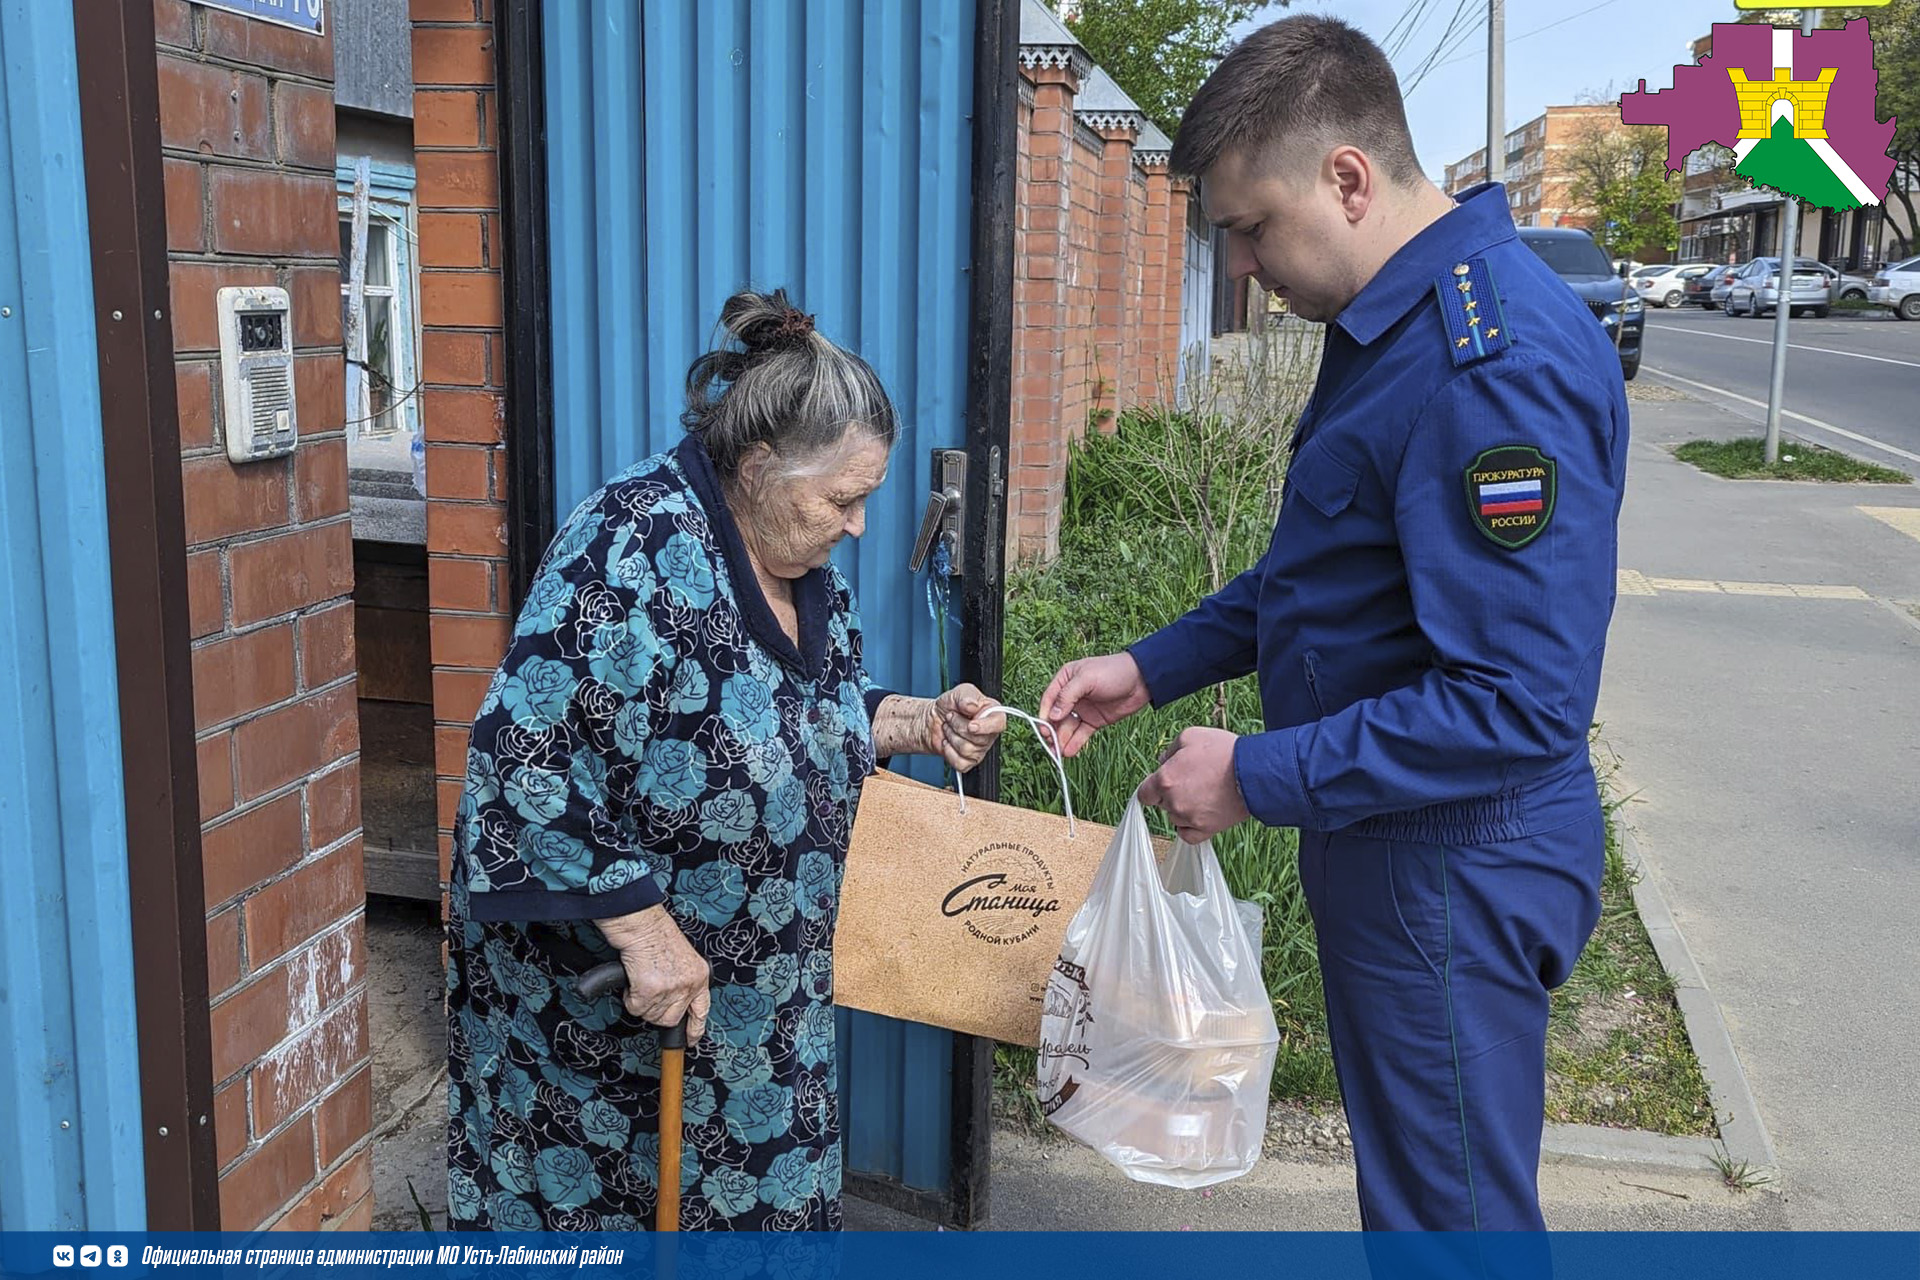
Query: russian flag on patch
x,y
1511,498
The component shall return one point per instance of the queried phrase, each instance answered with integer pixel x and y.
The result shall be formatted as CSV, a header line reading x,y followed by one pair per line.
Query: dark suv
x,y
1572,255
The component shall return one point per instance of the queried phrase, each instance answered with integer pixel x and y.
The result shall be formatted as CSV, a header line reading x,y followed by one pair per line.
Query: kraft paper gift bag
x,y
953,910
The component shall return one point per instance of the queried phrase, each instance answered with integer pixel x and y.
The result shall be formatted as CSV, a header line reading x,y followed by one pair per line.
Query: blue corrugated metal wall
x,y
70,1148
1196,310
696,147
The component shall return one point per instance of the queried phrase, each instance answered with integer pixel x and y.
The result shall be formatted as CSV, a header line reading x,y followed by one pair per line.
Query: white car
x,y
1666,286
1898,286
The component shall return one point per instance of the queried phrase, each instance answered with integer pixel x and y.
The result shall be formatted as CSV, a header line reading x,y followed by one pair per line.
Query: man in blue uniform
x,y
1427,624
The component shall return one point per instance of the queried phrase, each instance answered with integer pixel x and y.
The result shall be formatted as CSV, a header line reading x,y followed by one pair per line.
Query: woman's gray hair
x,y
780,383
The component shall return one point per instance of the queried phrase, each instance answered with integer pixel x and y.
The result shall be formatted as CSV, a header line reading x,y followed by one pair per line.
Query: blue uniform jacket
x,y
1429,619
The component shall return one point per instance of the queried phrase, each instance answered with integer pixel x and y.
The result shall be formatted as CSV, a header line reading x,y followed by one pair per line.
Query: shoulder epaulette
x,y
1470,307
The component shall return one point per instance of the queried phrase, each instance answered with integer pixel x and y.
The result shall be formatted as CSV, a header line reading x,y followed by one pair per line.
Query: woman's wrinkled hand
x,y
666,977
959,733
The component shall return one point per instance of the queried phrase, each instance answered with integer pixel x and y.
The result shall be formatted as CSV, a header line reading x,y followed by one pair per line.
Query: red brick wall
x,y
1043,215
1145,279
1096,304
1156,336
1083,282
1173,291
246,122
456,153
1112,260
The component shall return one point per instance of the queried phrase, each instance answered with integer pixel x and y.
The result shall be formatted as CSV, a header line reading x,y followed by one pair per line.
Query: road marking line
x,y
1905,519
1794,346
1631,582
1842,432
1634,583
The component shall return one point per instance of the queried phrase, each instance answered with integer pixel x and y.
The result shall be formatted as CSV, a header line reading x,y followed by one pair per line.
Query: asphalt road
x,y
1860,374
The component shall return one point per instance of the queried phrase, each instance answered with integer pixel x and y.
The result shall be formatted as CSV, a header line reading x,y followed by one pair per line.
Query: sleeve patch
x,y
1510,493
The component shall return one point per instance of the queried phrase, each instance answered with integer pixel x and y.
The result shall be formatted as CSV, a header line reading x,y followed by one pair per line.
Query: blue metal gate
x,y
70,1133
1196,309
698,146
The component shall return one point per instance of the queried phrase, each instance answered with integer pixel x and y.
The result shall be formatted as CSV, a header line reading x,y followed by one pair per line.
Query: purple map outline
x,y
1702,107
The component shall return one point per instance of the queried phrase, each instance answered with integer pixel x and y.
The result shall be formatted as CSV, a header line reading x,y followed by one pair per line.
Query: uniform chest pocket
x,y
1327,483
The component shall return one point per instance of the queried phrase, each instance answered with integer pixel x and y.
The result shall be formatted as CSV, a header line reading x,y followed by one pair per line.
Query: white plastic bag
x,y
1157,1041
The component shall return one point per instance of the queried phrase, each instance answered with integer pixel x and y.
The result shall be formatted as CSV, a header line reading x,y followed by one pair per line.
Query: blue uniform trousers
x,y
1438,953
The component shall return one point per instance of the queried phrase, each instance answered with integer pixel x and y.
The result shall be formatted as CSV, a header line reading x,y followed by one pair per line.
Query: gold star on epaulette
x,y
1493,333
1461,343
1473,319
1465,287
1472,304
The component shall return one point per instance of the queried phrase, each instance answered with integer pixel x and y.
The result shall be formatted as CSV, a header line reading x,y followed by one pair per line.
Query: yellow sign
x,y
1852,4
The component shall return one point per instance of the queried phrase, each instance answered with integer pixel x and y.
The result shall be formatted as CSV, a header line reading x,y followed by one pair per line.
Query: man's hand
x,y
1196,786
666,977
1090,694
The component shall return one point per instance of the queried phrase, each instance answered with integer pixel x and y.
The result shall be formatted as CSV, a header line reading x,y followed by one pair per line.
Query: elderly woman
x,y
665,769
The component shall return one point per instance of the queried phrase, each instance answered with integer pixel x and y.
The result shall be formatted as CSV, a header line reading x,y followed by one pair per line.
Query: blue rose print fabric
x,y
653,736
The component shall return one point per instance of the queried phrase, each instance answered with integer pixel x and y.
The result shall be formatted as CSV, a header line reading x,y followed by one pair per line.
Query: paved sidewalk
x,y
1773,737
1053,1185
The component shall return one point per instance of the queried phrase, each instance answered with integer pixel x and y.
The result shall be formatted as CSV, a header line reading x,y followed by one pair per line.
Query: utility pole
x,y
1496,90
1783,295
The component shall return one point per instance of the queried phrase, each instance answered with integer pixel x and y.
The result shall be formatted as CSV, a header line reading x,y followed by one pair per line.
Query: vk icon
x,y
89,1255
63,1255
116,1255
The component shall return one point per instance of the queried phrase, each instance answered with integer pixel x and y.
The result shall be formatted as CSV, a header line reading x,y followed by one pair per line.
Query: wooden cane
x,y
673,1066
612,977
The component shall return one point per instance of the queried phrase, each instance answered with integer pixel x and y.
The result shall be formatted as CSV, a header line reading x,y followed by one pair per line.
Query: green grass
x,y
1745,459
1617,1048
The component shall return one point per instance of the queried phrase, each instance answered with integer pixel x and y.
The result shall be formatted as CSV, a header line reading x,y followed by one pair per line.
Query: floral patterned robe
x,y
653,736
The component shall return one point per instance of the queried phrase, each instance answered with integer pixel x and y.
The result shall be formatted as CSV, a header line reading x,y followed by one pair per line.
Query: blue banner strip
x,y
962,1256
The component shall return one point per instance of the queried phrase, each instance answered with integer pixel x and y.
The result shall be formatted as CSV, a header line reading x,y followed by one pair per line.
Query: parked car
x,y
1723,285
1700,288
1898,286
1667,286
1853,287
1573,256
1756,290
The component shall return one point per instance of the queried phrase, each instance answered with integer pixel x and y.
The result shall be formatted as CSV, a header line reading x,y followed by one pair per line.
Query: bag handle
x,y
1049,742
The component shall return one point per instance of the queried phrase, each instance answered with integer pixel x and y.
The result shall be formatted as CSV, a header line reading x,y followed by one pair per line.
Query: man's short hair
x,y
1304,76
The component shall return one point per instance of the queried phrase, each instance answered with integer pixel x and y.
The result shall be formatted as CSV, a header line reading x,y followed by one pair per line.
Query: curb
x,y
1603,1148
1743,1135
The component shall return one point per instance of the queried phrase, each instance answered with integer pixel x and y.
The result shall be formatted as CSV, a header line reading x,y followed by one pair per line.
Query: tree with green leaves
x,y
1159,51
1617,177
1896,41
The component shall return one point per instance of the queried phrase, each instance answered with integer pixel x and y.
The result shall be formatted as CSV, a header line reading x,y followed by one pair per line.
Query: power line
x,y
1536,31
1411,19
1450,39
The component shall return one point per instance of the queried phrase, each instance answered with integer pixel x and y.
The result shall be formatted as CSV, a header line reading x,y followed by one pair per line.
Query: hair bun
x,y
793,328
764,323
